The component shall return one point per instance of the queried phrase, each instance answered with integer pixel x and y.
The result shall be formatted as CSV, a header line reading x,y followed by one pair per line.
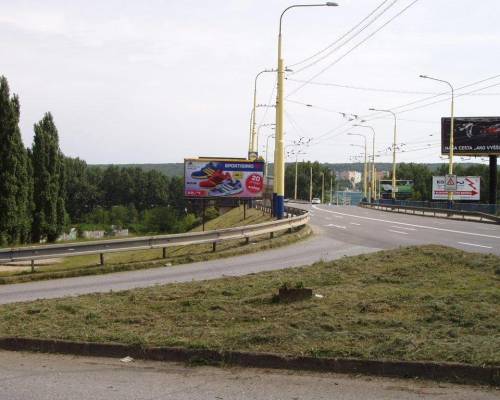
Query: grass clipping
x,y
415,303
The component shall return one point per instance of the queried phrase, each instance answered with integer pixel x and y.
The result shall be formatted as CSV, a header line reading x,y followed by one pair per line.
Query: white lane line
x,y
399,232
337,226
355,223
475,245
413,225
403,227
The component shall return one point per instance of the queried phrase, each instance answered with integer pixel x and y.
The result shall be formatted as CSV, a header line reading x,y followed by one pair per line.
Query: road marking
x,y
413,225
336,226
355,223
475,245
402,233
403,227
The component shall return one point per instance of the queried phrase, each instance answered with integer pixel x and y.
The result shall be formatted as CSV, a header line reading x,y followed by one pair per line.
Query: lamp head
x,y
423,76
372,109
331,4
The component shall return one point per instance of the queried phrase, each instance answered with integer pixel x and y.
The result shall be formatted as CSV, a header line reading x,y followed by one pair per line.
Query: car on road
x,y
316,201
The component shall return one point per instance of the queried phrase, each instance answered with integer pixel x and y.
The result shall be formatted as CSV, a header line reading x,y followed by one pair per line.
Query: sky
x,y
158,81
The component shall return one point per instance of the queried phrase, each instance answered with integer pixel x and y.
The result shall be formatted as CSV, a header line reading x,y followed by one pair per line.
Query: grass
x,y
415,303
132,260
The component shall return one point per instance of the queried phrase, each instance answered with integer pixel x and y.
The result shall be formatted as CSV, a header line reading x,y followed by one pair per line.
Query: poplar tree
x,y
48,182
14,180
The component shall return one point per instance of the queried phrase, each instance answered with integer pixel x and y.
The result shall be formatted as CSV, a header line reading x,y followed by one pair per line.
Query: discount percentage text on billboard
x,y
223,178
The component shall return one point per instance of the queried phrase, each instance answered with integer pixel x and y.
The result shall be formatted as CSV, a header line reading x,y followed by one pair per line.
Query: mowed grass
x,y
415,303
122,261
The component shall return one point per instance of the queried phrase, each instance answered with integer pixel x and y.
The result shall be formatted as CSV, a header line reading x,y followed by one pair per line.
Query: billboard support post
x,y
493,179
203,214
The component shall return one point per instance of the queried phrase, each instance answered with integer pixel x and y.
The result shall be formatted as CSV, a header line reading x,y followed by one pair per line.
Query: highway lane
x,y
339,231
380,229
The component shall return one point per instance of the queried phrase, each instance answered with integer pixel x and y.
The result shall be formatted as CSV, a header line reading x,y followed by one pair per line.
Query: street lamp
x,y
296,171
271,135
252,146
393,191
372,181
279,151
365,169
450,166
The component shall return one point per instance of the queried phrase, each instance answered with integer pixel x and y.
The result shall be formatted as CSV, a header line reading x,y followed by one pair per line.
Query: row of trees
x,y
304,180
42,192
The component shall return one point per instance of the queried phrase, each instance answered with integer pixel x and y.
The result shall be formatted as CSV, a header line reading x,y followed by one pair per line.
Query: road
x,y
339,231
25,376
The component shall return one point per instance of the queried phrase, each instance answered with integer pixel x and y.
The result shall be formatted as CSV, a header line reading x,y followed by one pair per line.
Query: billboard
x,y
468,188
216,177
472,136
404,189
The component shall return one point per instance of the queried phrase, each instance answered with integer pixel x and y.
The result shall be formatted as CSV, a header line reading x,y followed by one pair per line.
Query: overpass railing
x,y
475,216
295,218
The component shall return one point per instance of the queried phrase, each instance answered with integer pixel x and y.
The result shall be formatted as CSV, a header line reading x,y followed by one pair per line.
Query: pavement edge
x,y
450,372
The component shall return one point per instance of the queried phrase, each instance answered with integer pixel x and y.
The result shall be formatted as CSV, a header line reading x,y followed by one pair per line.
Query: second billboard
x,y
472,136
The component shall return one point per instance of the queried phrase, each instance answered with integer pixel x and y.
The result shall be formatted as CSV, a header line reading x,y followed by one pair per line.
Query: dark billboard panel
x,y
473,136
229,178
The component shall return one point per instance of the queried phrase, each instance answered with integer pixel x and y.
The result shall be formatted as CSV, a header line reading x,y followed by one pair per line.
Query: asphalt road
x,y
25,376
338,231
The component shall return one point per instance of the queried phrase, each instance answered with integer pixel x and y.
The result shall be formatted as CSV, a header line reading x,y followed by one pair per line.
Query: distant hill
x,y
177,169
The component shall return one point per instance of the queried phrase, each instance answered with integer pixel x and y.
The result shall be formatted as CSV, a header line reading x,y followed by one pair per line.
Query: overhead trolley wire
x,y
352,49
344,36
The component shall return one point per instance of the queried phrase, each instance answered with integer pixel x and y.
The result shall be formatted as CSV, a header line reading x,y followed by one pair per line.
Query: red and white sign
x,y
468,188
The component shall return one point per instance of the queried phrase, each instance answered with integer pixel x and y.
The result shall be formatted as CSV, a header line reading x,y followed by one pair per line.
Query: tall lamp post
x,y
271,135
365,169
394,189
322,188
252,146
372,180
452,122
279,151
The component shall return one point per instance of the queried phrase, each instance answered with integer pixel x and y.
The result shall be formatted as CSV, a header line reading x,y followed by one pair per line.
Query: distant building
x,y
71,235
352,176
93,234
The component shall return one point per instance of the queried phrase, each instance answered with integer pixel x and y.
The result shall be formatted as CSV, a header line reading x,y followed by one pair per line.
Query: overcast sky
x,y
157,81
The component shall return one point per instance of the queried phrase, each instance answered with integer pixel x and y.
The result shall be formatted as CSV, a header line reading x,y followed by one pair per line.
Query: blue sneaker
x,y
206,172
227,188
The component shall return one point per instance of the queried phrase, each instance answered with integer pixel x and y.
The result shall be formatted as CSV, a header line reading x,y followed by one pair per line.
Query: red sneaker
x,y
216,179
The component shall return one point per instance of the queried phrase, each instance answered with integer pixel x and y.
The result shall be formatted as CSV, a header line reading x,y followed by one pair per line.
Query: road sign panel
x,y
451,183
468,188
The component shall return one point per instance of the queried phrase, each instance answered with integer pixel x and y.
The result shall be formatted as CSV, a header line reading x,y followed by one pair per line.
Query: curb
x,y
451,372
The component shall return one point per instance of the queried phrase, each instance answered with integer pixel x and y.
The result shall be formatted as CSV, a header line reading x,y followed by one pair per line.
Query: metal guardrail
x,y
474,216
296,218
480,207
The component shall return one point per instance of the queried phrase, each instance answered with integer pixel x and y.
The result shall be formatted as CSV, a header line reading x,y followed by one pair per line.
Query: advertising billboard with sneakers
x,y
473,136
212,178
467,188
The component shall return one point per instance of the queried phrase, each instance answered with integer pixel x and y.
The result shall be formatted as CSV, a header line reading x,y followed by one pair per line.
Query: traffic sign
x,y
450,183
468,188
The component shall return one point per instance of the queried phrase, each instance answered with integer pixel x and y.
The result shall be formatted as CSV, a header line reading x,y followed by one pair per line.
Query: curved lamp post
x,y
279,150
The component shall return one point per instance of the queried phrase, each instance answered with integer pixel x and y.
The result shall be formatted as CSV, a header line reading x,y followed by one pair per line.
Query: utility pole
x,y
311,186
322,188
331,188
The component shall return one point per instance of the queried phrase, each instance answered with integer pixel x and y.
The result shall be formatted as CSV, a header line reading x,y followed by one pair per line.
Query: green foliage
x,y
14,178
304,178
48,181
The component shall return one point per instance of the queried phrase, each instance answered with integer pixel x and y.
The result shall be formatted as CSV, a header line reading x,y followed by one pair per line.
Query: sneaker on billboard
x,y
206,172
227,188
216,179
